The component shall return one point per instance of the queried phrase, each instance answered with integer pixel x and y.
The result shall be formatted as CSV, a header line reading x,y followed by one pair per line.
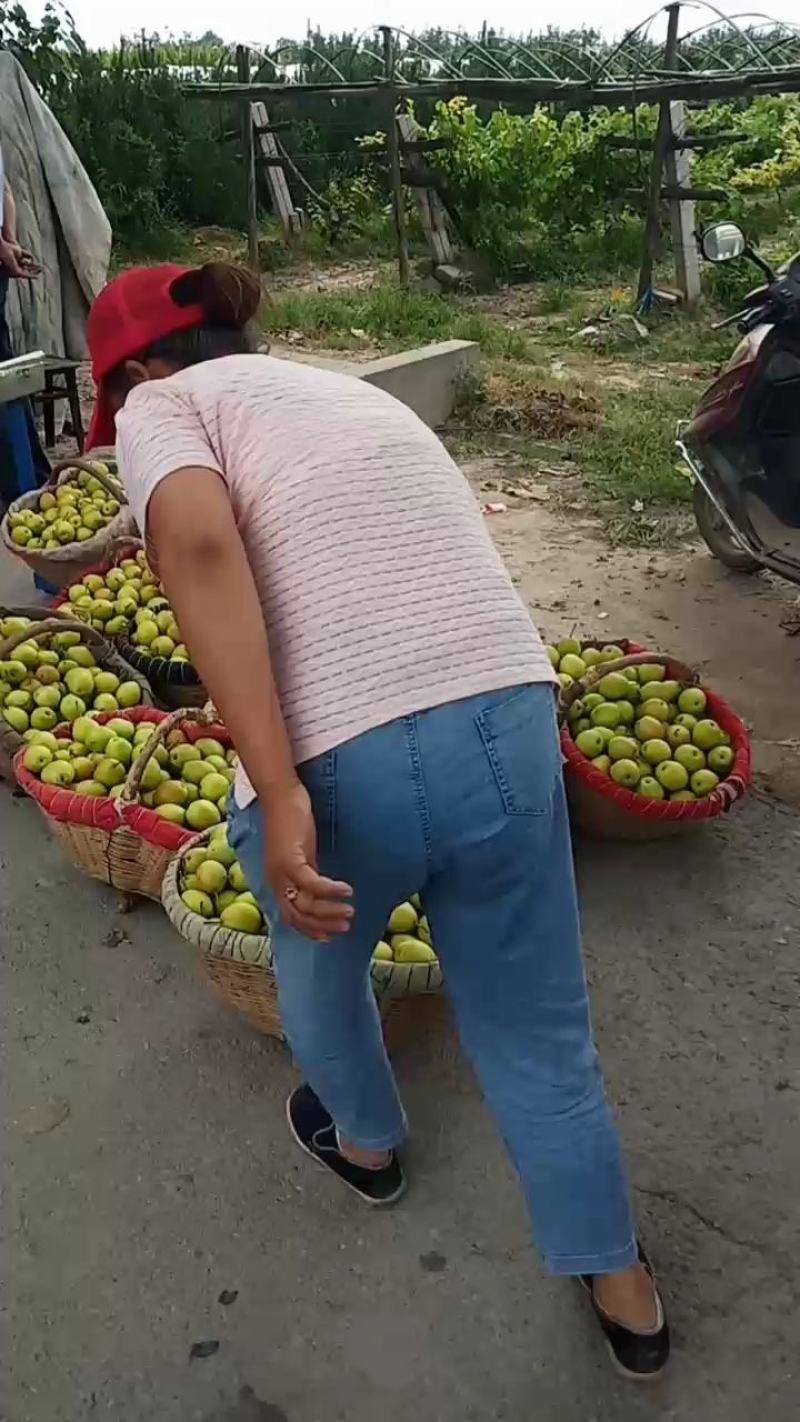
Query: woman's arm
x,y
203,566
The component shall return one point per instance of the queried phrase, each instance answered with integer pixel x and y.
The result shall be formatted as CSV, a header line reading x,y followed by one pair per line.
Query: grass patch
x,y
630,455
392,317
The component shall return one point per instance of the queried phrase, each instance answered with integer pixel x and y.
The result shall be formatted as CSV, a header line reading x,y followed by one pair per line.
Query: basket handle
x,y
133,780
115,490
54,624
635,659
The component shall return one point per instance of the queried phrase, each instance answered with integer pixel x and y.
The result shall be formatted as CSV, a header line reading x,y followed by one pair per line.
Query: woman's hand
x,y
315,906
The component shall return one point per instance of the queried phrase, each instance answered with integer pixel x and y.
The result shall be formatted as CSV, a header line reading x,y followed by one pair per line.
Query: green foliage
x,y
538,194
156,158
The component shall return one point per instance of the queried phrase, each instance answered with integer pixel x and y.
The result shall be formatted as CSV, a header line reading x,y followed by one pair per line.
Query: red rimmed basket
x,y
106,656
605,810
174,684
119,841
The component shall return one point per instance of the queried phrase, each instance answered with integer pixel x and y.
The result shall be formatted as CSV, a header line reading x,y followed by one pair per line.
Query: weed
x,y
391,316
630,455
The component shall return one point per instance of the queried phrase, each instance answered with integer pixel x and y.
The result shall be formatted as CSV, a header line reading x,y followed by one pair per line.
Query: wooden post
x,y
393,147
275,172
660,146
249,159
682,211
431,208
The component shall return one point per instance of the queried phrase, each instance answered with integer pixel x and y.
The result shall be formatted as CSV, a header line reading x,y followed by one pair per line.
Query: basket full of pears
x,y
124,792
70,523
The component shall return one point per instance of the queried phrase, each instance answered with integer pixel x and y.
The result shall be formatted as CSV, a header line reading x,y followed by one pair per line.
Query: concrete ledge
x,y
427,379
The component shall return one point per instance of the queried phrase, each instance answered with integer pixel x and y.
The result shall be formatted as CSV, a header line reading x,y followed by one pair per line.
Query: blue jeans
x,y
465,804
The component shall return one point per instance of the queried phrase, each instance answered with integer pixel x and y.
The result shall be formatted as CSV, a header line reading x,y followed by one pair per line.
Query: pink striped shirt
x,y
382,591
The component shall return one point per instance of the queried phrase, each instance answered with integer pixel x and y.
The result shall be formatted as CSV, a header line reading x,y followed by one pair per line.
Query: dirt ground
x,y
738,631
168,1176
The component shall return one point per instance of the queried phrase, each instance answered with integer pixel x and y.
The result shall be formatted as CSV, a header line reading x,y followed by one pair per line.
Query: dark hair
x,y
230,297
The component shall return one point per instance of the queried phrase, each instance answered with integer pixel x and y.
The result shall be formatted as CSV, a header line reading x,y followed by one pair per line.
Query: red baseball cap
x,y
135,309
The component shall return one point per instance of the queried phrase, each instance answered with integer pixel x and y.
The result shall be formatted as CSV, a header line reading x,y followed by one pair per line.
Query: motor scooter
x,y
742,444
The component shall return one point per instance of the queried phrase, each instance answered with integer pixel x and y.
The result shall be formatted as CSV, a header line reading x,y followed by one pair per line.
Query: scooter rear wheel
x,y
718,537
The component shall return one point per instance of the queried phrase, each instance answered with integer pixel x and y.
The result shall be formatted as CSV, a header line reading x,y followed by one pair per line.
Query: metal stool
x,y
60,383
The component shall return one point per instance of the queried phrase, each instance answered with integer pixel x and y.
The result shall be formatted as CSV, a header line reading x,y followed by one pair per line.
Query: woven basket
x,y
104,654
175,684
249,987
121,842
60,566
604,810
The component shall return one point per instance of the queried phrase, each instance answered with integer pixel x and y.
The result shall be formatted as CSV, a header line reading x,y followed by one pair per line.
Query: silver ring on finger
x,y
290,893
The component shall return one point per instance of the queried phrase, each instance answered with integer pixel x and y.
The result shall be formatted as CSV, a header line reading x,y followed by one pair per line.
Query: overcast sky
x,y
251,21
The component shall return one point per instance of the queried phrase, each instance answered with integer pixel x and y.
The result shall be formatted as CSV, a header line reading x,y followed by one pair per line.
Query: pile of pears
x,y
72,512
128,601
407,938
187,783
56,679
213,885
645,731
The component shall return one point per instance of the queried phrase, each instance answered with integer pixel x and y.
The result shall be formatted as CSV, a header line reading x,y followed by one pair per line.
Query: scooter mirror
x,y
723,242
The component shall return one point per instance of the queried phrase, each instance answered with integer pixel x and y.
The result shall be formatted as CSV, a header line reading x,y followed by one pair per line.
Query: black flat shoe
x,y
315,1133
640,1356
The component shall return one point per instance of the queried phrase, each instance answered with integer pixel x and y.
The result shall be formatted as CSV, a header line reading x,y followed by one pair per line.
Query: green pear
x,y
71,708
106,681
36,758
174,813
181,754
408,949
198,902
211,877
237,878
119,749
44,738
171,792
48,696
151,776
213,786
201,814
58,772
404,918
193,859
121,726
16,718
129,693
195,771
244,918
109,772
43,718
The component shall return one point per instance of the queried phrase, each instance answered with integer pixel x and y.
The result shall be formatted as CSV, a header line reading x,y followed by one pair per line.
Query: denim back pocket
x,y
520,737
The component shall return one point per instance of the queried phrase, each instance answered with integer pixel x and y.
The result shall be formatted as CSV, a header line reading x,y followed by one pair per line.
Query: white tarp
x,y
59,217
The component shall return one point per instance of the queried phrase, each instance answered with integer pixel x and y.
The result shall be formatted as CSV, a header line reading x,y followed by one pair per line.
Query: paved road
x,y
173,1179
